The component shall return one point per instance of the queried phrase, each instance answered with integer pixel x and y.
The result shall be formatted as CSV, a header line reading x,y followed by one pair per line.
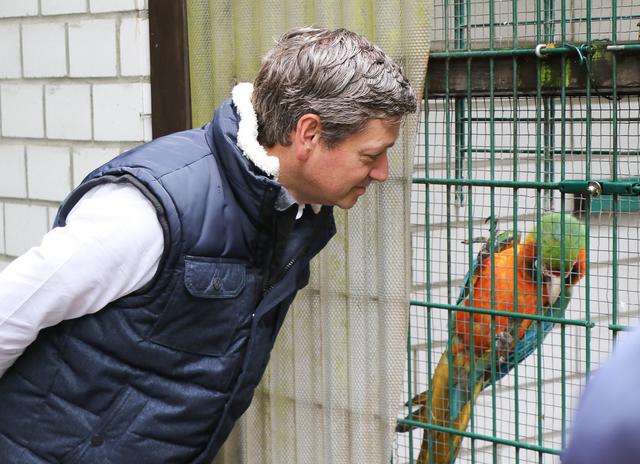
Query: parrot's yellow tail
x,y
444,445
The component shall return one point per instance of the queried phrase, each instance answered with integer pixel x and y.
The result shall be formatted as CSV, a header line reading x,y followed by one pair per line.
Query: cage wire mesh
x,y
333,383
508,135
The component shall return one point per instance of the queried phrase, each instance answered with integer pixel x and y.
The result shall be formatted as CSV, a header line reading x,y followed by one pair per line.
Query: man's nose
x,y
380,170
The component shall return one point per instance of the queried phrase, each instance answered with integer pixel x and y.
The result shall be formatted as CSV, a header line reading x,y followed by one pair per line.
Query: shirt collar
x,y
285,200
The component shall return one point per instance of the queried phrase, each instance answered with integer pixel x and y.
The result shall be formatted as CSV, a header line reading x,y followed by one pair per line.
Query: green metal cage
x,y
530,106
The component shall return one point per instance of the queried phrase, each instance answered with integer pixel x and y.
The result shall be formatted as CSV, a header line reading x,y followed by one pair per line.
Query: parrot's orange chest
x,y
500,278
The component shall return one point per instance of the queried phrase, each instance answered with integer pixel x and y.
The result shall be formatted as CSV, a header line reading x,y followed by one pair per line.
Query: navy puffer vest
x,y
161,375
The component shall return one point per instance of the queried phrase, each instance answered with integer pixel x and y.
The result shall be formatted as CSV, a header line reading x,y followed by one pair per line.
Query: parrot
x,y
473,348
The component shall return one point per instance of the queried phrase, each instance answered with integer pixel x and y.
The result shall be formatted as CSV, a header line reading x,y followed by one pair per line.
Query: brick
x,y
22,110
92,48
134,47
146,118
10,51
55,7
25,225
12,8
13,176
101,6
44,50
87,159
118,111
68,111
48,172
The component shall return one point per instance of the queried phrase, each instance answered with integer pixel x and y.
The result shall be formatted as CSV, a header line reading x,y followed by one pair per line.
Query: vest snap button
x,y
217,283
97,440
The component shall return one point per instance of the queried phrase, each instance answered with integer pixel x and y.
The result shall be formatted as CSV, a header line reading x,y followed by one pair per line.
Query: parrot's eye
x,y
534,267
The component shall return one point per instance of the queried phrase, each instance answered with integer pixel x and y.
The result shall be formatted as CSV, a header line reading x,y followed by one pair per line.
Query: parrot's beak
x,y
556,274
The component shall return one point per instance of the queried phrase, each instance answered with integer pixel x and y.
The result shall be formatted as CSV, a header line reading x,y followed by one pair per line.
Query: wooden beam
x,y
576,74
169,46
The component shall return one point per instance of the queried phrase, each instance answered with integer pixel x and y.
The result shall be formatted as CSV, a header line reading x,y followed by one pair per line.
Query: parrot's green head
x,y
552,238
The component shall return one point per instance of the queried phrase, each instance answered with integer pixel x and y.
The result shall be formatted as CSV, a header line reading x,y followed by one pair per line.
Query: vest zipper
x,y
284,270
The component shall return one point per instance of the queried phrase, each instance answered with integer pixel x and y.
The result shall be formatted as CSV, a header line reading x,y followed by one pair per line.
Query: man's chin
x,y
347,203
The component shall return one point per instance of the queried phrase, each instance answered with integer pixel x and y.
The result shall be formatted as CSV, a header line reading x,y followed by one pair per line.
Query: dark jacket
x,y
161,375
606,427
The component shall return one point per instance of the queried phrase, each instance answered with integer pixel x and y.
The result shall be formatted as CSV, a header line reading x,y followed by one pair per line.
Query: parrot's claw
x,y
504,344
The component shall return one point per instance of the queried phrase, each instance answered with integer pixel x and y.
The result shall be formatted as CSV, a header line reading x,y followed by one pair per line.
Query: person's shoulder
x,y
169,153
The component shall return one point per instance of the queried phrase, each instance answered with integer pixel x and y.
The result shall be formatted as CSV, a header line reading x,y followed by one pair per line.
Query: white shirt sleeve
x,y
111,246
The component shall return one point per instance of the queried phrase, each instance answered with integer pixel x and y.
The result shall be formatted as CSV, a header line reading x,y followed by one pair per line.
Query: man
x,y
139,329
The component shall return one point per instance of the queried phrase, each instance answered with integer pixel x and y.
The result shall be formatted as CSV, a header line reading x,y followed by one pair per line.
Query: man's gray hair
x,y
338,75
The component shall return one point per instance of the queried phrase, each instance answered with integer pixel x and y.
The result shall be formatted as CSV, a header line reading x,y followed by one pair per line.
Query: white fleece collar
x,y
248,131
248,136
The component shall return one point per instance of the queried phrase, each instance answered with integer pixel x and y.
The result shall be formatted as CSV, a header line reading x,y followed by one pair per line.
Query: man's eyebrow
x,y
386,147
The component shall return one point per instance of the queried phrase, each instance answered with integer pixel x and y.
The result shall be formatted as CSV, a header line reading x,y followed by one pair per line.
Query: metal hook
x,y
539,48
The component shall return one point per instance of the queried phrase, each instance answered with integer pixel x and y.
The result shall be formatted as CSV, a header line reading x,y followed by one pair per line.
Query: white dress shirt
x,y
110,247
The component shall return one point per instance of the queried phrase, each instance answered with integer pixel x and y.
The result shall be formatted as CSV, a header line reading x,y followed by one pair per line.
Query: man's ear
x,y
306,135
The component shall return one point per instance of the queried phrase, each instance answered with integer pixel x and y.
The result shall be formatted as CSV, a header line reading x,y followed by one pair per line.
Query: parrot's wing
x,y
501,241
529,341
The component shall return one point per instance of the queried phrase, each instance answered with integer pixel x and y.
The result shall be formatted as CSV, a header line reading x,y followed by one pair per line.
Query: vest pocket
x,y
205,313
110,429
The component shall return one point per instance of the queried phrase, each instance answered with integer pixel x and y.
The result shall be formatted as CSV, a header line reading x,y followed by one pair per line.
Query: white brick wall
x,y
92,48
10,50
74,92
134,59
10,8
22,110
24,227
68,111
55,7
43,50
13,182
100,6
52,163
118,109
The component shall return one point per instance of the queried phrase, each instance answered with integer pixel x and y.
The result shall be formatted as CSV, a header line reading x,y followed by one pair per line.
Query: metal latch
x,y
596,188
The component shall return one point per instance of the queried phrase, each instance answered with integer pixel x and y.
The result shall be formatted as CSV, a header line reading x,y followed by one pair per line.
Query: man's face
x,y
338,176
